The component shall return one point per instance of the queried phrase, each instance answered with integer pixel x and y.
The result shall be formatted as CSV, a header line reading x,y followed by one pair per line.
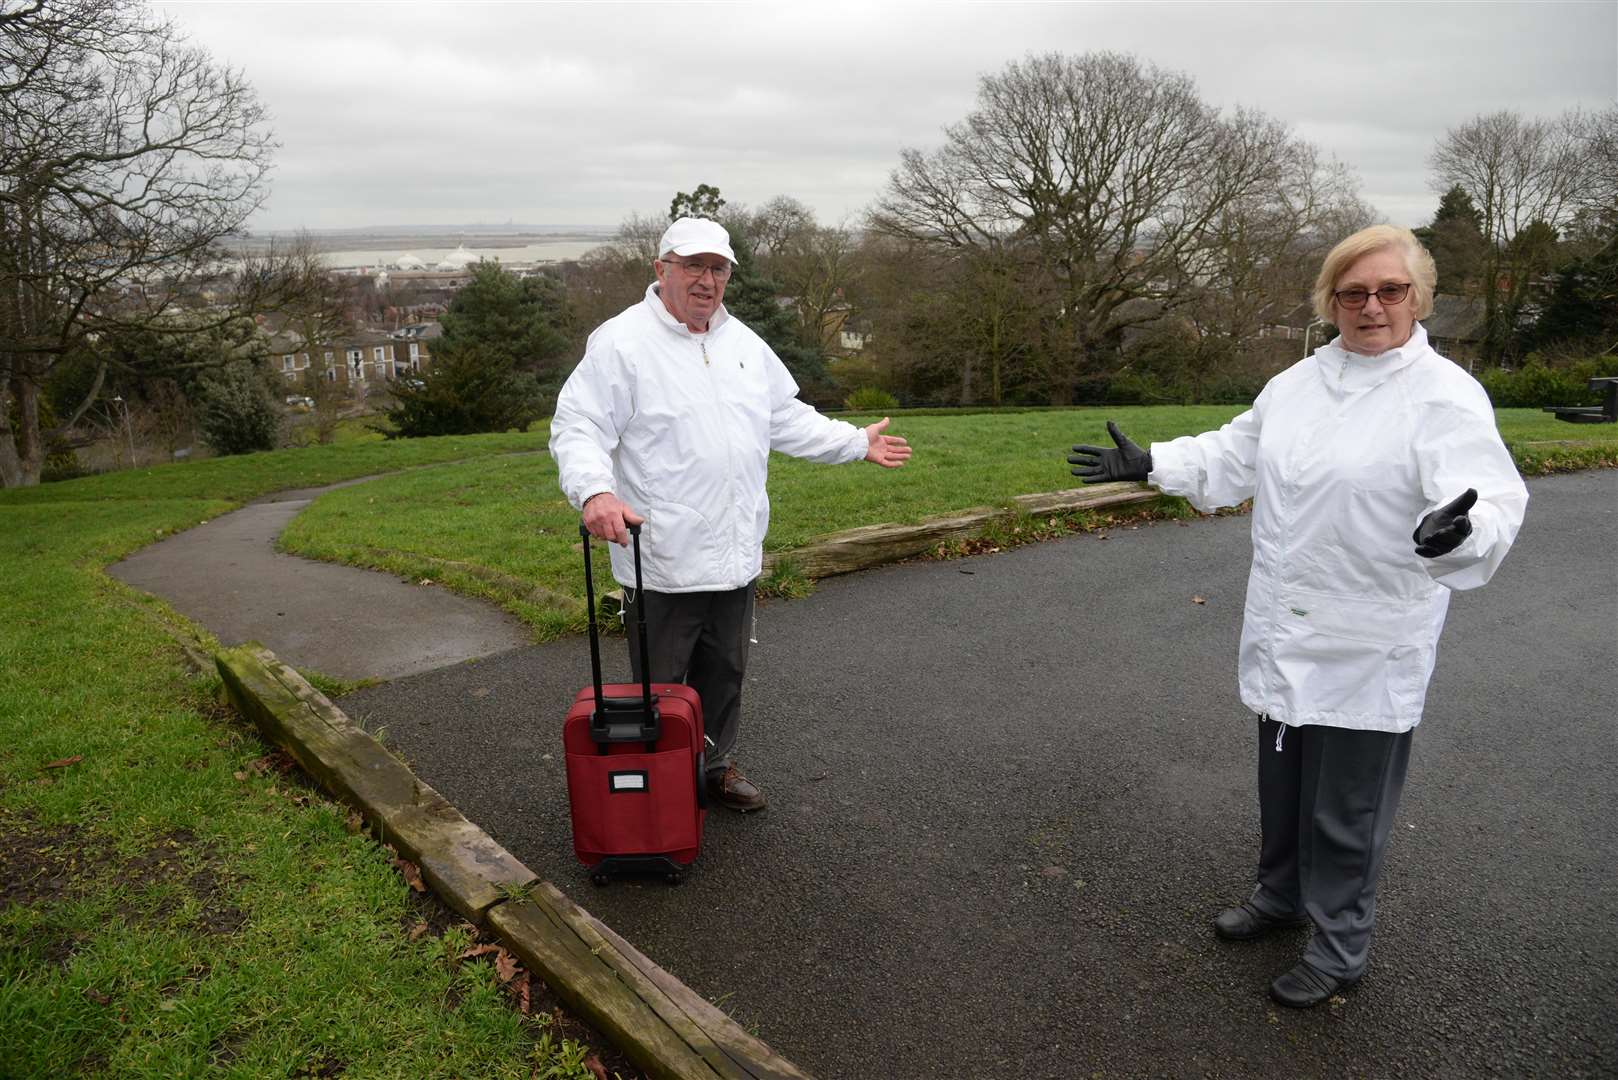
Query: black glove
x,y
1442,531
1097,464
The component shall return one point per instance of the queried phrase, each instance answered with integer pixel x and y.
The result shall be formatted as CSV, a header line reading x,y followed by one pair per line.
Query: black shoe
x,y
1244,922
731,789
1304,987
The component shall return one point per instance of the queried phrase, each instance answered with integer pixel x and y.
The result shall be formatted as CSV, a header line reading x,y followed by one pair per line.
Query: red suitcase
x,y
635,765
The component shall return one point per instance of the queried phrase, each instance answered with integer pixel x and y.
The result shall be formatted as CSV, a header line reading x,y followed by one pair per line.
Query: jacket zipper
x,y
730,457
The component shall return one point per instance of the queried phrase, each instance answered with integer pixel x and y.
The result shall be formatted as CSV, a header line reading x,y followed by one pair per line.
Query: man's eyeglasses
x,y
697,269
1392,293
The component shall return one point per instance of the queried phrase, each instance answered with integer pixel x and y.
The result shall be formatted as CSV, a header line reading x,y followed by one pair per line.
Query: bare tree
x,y
1528,179
777,224
1107,176
125,156
817,267
318,314
1263,251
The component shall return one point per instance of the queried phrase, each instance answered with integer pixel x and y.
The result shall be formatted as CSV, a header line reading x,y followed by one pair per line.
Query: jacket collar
x,y
661,312
1346,372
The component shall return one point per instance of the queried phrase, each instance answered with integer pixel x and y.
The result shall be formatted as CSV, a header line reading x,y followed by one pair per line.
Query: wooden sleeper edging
x,y
872,545
658,1022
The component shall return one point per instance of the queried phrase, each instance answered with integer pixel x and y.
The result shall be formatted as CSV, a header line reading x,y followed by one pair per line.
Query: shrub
x,y
238,416
468,390
870,399
1536,385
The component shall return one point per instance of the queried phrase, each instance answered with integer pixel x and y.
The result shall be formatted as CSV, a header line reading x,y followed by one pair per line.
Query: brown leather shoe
x,y
730,788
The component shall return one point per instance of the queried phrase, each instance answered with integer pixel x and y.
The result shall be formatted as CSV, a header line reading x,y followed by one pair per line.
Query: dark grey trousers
x,y
1326,800
699,639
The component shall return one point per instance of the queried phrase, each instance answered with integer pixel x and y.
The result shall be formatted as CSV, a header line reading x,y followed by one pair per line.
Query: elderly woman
x,y
1379,483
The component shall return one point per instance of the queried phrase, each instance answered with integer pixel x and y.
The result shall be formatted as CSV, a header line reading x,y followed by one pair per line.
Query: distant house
x,y
357,360
853,335
1455,328
1289,320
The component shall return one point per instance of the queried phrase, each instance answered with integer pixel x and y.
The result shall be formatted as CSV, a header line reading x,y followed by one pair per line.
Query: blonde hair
x,y
1418,262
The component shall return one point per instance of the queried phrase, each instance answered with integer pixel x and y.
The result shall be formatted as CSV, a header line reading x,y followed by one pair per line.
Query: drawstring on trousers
x,y
1280,733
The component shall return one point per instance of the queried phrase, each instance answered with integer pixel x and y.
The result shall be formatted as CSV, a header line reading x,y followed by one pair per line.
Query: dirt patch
x,y
46,865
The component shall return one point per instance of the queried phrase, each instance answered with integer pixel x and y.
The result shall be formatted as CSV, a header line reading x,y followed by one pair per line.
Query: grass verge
x,y
173,900
500,529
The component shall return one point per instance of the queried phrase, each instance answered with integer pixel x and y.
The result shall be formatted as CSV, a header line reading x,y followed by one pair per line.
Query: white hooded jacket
x,y
1343,455
680,425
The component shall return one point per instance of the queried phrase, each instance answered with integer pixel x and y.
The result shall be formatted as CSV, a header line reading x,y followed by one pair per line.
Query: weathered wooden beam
x,y
657,1021
459,860
872,545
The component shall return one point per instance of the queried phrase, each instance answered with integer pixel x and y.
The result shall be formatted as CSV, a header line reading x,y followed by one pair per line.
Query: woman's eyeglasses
x,y
1392,293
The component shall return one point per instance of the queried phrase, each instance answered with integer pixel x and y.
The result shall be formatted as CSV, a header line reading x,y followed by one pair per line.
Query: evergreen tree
x,y
470,388
524,321
237,414
1455,239
701,203
1581,311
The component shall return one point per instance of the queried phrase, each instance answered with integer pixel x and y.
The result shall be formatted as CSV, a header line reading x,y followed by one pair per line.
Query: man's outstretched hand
x,y
608,517
1100,464
888,451
1442,531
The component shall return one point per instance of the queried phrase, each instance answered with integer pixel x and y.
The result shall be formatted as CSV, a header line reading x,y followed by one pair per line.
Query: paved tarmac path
x,y
1008,793
339,620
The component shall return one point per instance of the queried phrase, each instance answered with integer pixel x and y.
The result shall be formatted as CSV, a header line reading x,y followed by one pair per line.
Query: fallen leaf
x,y
473,951
519,989
425,581
411,873
353,823
1198,600
506,966
597,1070
96,995
62,763
238,774
418,930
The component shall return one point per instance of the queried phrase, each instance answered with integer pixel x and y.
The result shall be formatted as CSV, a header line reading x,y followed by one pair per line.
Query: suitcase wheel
x,y
674,877
598,878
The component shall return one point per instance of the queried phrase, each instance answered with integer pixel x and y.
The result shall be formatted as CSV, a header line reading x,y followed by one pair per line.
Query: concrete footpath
x,y
1009,792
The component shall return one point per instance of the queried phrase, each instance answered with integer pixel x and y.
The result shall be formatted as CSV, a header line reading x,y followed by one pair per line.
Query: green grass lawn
x,y
171,902
500,529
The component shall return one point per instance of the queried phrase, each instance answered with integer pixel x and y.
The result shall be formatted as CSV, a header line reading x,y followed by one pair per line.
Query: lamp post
x,y
129,430
1306,332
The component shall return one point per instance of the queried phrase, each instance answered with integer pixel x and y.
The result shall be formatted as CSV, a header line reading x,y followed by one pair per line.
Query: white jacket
x,y
1343,455
680,427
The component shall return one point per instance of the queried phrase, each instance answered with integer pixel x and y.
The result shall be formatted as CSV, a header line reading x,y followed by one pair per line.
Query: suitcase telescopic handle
x,y
618,719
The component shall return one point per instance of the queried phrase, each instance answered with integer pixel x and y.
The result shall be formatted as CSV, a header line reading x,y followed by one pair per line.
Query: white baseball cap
x,y
696,236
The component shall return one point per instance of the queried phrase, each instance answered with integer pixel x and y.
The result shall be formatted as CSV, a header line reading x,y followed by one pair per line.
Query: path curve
x,y
341,621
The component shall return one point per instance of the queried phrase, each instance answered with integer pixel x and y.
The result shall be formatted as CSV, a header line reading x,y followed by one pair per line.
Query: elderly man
x,y
669,420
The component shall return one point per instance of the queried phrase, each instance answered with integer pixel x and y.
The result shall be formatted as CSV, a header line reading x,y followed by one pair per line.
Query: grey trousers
x,y
1327,799
699,639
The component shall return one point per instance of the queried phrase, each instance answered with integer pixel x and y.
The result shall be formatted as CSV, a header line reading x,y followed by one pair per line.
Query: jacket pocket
x,y
1351,656
1357,618
681,548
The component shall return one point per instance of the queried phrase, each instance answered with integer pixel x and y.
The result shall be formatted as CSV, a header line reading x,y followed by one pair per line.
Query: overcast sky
x,y
562,113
